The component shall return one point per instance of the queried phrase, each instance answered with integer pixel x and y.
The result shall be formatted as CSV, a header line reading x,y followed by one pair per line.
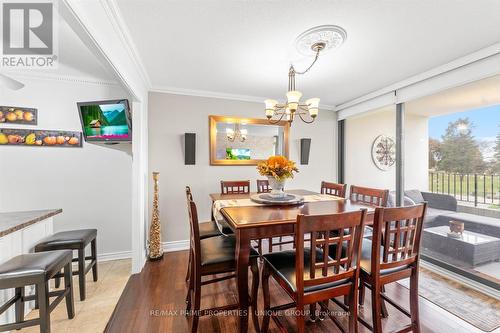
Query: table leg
x,y
242,259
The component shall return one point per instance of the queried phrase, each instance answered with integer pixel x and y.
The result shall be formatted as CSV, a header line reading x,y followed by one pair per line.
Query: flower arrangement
x,y
278,167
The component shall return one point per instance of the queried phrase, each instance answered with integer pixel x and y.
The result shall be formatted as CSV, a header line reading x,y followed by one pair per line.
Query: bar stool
x,y
36,269
74,240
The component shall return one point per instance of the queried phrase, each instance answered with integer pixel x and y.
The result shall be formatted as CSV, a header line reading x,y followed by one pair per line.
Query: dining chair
x,y
206,230
210,256
338,190
370,196
312,274
391,255
234,186
263,187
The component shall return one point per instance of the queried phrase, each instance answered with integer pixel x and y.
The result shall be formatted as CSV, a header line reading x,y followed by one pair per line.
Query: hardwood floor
x,y
153,301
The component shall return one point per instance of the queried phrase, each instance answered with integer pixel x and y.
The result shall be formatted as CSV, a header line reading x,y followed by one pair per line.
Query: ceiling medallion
x,y
310,42
331,35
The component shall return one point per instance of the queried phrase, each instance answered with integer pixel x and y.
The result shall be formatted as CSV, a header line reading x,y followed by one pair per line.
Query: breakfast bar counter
x,y
13,221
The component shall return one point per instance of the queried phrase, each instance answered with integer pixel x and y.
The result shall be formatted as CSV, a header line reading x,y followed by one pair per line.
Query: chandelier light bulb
x,y
313,106
293,98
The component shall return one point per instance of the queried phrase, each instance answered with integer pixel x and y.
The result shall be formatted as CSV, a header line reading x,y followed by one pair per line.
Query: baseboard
x,y
174,246
114,256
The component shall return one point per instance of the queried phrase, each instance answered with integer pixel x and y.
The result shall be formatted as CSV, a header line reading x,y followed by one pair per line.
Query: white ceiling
x,y
245,47
75,59
471,96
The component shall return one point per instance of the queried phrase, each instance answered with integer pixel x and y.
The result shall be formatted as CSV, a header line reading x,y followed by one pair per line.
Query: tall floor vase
x,y
155,248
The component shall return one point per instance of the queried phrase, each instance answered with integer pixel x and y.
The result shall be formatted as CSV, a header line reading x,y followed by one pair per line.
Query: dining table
x,y
254,222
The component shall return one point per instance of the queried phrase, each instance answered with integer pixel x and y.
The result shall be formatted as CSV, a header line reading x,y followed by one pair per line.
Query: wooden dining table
x,y
266,221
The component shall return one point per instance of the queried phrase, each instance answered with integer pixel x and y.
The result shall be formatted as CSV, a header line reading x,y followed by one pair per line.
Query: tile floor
x,y
91,315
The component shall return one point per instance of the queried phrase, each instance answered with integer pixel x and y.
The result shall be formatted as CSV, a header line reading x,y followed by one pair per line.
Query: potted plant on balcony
x,y
277,169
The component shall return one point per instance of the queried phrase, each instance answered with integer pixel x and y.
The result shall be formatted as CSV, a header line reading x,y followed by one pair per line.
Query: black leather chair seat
x,y
219,249
366,259
72,239
283,263
208,229
35,265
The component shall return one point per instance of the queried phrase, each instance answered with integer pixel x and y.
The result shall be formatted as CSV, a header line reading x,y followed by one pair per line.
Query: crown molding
x,y
216,94
61,77
118,23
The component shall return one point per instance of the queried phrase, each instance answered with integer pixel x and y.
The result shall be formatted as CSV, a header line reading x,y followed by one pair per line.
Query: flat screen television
x,y
106,121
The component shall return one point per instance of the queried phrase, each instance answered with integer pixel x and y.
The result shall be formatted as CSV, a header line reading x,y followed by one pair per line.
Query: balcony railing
x,y
473,187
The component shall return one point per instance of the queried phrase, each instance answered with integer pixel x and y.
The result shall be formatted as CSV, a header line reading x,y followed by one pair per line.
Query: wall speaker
x,y
305,147
189,148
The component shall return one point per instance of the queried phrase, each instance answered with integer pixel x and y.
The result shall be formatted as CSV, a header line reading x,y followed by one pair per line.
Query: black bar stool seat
x,y
74,240
37,269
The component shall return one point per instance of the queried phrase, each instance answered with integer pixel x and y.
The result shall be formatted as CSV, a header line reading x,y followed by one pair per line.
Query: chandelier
x,y
316,40
236,133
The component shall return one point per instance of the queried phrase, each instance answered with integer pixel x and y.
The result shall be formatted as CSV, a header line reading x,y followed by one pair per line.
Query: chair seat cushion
x,y
283,263
35,265
208,229
366,259
72,239
219,250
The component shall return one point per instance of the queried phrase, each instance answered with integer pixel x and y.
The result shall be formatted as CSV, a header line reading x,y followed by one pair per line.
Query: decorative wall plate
x,y
267,199
384,152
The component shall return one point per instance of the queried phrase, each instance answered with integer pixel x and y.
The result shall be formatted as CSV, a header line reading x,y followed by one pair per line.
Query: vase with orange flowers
x,y
277,169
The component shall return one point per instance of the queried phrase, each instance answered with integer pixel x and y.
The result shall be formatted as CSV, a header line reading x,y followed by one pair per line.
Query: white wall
x,y
360,133
91,184
170,116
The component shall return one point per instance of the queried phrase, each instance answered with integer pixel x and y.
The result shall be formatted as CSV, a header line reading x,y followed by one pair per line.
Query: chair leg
x,y
57,282
81,273
270,245
93,249
376,309
414,301
353,309
312,311
19,304
267,299
68,285
188,273
36,297
383,307
196,277
190,283
255,290
43,303
300,318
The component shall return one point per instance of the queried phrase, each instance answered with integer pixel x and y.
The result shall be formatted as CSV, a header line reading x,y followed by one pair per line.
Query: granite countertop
x,y
14,221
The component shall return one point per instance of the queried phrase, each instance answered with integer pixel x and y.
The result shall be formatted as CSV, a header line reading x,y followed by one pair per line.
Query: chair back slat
x,y
399,231
263,186
193,224
235,186
370,196
338,190
325,230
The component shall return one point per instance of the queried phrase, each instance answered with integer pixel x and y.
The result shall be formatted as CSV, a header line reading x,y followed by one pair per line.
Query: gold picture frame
x,y
213,120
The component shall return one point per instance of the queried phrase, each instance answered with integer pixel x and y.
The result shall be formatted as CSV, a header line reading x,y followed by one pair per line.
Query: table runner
x,y
219,204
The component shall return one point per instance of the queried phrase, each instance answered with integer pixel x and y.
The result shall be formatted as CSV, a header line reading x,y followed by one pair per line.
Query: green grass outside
x,y
450,184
